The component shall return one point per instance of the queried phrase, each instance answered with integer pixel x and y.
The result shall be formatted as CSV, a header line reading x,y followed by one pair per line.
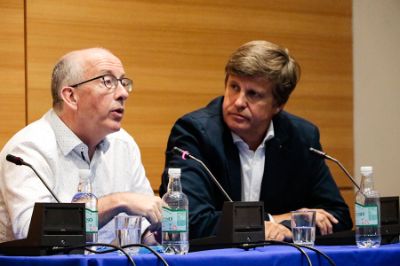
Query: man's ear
x,y
279,108
69,97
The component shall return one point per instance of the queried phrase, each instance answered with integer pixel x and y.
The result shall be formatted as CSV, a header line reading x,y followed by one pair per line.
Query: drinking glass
x,y
128,231
303,227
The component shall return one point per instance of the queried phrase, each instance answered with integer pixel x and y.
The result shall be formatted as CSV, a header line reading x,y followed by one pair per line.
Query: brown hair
x,y
266,59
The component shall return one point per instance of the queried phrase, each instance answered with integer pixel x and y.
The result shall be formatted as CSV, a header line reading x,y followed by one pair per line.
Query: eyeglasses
x,y
110,82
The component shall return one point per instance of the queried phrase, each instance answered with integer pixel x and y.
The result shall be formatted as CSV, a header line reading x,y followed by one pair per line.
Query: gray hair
x,y
66,72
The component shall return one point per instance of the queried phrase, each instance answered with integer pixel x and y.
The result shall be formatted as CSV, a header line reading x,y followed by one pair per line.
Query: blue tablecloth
x,y
386,255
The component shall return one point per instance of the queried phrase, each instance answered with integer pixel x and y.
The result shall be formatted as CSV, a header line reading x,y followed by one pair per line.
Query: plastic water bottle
x,y
85,195
368,224
175,223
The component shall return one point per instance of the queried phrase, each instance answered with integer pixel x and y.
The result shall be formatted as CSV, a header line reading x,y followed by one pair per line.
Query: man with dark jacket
x,y
257,151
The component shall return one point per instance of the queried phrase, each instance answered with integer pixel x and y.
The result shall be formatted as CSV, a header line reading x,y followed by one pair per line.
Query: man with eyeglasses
x,y
82,131
257,151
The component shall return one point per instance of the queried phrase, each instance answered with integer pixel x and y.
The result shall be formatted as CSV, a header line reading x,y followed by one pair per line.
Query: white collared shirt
x,y
57,154
252,165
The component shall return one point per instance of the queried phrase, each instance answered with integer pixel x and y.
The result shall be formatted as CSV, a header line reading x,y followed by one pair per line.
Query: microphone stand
x,y
326,156
241,222
54,227
19,161
185,153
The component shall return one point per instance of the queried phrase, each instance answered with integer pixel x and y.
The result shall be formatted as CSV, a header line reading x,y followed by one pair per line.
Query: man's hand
x,y
324,220
275,231
146,206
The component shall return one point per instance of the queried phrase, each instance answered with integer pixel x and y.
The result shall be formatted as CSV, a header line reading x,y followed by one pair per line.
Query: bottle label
x,y
92,221
367,215
174,221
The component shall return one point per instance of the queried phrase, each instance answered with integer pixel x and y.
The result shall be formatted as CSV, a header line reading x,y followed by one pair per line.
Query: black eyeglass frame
x,y
128,89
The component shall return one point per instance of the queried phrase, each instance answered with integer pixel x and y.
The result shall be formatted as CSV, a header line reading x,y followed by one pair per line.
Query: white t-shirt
x,y
57,154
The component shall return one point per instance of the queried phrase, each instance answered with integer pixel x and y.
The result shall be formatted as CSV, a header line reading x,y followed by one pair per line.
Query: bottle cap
x,y
84,173
174,171
366,170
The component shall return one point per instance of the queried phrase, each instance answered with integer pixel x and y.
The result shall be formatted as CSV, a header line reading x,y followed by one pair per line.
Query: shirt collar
x,y
268,135
67,140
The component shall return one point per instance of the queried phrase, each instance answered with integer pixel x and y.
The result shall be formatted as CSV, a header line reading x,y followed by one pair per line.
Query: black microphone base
x,y
25,247
54,229
240,223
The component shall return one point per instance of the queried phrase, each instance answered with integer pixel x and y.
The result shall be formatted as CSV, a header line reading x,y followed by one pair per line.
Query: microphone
x,y
54,227
240,223
15,159
183,153
326,156
19,161
390,227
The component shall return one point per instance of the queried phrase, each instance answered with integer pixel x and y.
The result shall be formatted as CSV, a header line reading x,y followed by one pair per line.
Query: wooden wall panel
x,y
176,51
12,69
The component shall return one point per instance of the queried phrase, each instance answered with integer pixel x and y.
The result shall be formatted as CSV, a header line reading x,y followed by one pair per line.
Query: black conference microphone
x,y
186,153
20,161
390,227
241,222
54,227
326,156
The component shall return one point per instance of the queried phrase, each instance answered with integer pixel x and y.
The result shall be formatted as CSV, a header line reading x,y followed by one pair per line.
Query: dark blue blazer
x,y
293,177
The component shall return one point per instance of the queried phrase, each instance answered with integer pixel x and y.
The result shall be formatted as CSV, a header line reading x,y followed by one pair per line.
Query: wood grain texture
x,y
12,69
176,51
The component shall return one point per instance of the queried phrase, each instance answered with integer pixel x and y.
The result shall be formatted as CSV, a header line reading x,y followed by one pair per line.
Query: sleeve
x,y
140,183
188,134
21,188
324,192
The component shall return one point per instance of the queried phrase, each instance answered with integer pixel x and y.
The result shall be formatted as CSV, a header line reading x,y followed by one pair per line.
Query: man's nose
x,y
121,92
241,100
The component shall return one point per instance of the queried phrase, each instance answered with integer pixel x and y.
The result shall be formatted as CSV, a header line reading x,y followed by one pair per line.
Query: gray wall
x,y
376,44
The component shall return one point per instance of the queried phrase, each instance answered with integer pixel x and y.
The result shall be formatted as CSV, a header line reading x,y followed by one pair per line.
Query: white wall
x,y
376,54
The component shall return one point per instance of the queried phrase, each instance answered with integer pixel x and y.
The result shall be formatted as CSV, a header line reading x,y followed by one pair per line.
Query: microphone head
x,y
321,153
15,159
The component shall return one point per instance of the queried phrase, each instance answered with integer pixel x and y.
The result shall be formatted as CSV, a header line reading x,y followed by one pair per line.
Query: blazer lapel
x,y
275,163
233,169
